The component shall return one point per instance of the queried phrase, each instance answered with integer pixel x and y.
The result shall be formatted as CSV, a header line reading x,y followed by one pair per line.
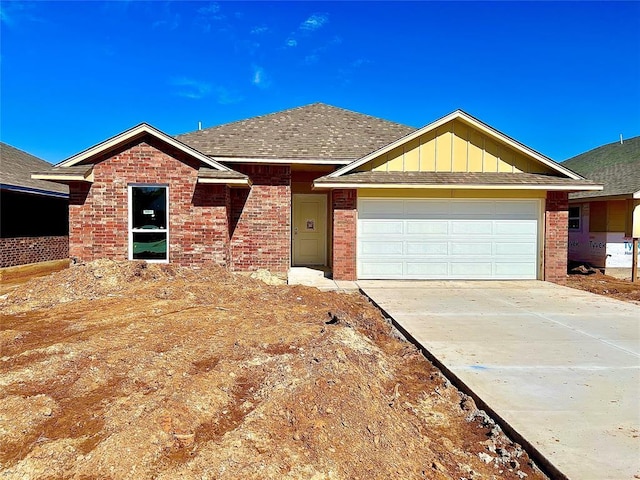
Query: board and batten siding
x,y
454,147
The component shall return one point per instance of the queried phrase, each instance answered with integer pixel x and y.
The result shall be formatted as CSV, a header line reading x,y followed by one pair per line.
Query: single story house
x,y
34,222
602,224
320,185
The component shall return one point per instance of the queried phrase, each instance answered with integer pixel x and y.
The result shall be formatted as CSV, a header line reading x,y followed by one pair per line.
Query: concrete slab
x,y
560,366
319,278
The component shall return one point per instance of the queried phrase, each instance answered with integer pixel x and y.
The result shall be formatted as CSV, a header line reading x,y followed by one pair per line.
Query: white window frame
x,y
579,218
132,230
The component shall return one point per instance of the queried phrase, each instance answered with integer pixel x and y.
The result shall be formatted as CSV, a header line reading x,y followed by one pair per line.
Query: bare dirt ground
x,y
606,285
128,370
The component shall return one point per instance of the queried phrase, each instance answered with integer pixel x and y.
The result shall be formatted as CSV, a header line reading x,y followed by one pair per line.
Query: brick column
x,y
555,237
345,217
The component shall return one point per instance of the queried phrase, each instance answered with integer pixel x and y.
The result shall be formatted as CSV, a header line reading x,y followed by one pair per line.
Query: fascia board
x,y
459,186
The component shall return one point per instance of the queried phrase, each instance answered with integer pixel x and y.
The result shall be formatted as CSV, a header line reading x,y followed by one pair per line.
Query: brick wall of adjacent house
x,y
24,250
98,213
260,220
345,217
556,237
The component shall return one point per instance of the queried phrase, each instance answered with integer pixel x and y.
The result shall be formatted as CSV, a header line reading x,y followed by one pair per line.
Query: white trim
x,y
77,177
130,229
228,181
636,194
132,133
297,161
459,186
460,115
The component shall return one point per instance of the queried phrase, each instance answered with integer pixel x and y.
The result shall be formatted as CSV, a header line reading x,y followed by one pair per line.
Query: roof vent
x,y
200,128
621,142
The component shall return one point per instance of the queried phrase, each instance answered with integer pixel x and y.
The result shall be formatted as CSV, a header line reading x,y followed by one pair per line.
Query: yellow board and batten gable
x,y
455,146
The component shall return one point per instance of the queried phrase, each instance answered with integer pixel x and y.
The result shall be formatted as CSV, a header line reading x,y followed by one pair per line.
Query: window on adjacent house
x,y
148,223
574,218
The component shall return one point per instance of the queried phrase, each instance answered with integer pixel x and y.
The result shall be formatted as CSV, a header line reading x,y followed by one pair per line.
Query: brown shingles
x,y
448,178
316,132
16,167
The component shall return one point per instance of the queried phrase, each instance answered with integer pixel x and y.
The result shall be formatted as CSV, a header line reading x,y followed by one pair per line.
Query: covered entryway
x,y
414,238
309,229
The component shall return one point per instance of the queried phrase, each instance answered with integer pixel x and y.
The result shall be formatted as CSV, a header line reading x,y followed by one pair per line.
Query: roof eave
x,y
63,177
33,191
456,186
231,182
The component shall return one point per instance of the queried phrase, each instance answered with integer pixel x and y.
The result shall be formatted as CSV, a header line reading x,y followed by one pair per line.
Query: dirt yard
x,y
128,370
606,285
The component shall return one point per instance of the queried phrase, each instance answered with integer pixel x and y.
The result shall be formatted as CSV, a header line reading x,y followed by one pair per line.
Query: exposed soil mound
x,y
128,370
606,285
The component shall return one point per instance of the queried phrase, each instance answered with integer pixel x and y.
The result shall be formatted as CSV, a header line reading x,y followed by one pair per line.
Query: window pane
x,y
149,246
574,212
149,207
574,223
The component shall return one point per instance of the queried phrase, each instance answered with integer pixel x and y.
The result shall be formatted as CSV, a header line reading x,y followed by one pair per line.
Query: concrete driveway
x,y
558,365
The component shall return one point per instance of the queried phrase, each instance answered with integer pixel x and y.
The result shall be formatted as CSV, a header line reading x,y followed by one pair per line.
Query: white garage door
x,y
447,239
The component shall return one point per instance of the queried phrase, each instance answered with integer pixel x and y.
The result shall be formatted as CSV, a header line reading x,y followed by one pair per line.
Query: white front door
x,y
309,229
448,238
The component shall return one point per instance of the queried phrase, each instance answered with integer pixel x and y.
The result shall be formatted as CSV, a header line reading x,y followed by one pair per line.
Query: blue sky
x,y
561,78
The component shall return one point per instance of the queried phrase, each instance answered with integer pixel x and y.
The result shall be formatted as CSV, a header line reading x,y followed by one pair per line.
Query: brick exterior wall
x,y
345,218
98,213
260,220
23,250
556,237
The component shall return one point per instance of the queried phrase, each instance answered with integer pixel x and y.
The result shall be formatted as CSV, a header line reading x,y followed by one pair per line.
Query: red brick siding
x,y
98,213
555,237
24,250
345,218
260,220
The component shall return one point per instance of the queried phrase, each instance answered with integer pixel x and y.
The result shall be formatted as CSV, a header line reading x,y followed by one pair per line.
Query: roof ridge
x,y
292,109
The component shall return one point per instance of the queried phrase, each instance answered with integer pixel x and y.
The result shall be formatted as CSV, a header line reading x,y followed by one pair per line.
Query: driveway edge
x,y
540,460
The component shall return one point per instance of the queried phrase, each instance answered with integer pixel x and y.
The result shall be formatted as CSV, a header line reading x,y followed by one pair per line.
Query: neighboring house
x,y
34,221
602,224
319,185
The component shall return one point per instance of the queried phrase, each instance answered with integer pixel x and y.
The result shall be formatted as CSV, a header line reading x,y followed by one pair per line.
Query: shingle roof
x,y
615,165
452,178
314,132
16,167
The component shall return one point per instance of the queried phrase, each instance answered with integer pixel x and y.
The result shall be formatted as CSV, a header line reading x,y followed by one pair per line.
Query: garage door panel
x,y
378,269
471,248
426,208
427,269
382,248
522,209
515,269
504,227
448,239
380,209
427,227
515,248
471,269
427,248
471,227
470,209
382,228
